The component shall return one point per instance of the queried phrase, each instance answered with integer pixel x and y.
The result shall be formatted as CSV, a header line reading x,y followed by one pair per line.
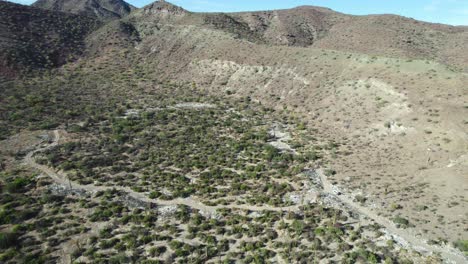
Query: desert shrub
x,y
271,152
462,245
8,240
120,259
400,221
361,255
151,261
420,208
17,185
8,254
361,199
157,251
313,155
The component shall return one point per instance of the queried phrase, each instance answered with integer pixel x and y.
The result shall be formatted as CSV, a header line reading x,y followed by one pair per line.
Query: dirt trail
x,y
61,179
403,236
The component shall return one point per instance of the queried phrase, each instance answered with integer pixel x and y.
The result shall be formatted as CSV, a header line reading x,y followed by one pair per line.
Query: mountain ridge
x,y
102,9
304,26
33,38
317,27
255,109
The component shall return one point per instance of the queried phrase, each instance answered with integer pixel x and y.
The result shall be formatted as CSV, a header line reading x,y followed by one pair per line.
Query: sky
x,y
453,12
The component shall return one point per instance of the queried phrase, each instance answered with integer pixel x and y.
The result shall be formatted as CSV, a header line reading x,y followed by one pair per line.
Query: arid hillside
x,y
306,26
33,38
101,9
315,27
285,136
399,123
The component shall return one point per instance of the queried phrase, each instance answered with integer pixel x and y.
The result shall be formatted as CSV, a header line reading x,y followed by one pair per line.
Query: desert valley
x,y
160,135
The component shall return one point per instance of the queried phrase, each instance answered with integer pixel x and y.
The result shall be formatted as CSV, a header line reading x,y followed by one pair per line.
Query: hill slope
x,y
32,38
379,102
387,109
102,9
316,27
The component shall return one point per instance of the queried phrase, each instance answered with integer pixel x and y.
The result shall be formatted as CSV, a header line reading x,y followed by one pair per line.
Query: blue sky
x,y
454,12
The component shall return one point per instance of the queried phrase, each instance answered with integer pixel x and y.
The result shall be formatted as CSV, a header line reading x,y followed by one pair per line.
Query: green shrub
x,y
462,245
157,251
17,185
330,172
8,240
119,259
8,254
400,221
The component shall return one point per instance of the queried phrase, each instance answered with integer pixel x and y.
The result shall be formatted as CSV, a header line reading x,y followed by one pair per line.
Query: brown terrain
x,y
32,38
101,9
389,93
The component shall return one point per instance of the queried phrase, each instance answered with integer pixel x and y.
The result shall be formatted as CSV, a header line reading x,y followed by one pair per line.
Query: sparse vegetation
x,y
172,139
401,222
462,245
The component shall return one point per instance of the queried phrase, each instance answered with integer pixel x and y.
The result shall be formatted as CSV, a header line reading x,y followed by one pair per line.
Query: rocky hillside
x,y
306,26
101,9
32,38
393,97
316,27
377,103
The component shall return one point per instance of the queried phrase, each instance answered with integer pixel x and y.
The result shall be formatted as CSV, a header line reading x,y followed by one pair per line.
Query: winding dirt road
x,y
61,179
403,236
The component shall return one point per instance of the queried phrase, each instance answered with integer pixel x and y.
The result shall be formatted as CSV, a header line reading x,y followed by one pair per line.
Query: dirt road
x,y
62,179
404,237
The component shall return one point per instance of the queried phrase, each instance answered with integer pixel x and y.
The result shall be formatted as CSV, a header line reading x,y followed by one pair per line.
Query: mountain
x,y
378,103
102,9
391,89
305,26
32,38
316,27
